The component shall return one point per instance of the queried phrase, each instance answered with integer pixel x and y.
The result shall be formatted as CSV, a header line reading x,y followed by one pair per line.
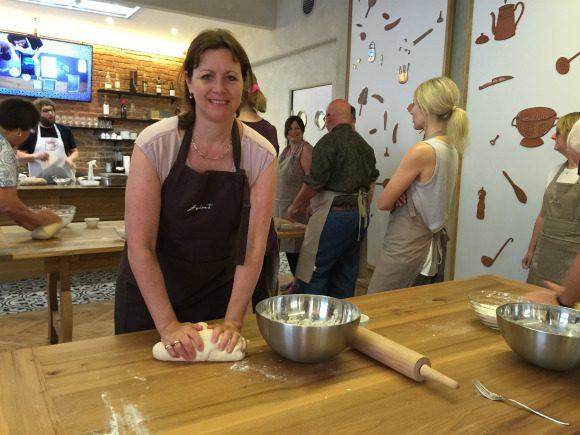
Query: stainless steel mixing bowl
x,y
545,335
307,328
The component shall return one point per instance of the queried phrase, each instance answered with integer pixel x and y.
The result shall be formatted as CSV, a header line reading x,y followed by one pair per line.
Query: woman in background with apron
x,y
194,249
420,192
294,163
555,240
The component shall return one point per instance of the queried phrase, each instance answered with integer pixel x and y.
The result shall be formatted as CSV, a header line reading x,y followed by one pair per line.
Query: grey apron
x,y
559,240
405,249
321,205
288,185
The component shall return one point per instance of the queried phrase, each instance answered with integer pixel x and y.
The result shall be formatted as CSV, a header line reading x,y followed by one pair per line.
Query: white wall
x,y
547,31
426,60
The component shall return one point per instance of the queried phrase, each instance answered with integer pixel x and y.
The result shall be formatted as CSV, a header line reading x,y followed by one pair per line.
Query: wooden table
x,y
113,384
106,203
74,249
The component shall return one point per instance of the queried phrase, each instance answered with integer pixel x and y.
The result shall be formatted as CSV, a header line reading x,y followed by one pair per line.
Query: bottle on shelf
x,y
144,84
171,89
117,81
158,86
105,106
108,84
123,111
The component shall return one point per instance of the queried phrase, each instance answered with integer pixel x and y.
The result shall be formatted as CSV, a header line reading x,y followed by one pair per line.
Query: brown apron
x,y
559,240
288,185
405,249
202,235
321,205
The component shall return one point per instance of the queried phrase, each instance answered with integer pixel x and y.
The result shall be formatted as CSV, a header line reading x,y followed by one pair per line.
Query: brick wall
x,y
121,62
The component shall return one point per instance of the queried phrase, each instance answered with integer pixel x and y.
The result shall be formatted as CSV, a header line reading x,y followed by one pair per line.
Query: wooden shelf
x,y
76,127
117,140
120,93
113,118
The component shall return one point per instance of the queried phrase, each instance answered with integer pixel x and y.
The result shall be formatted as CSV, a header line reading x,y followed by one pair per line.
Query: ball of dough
x,y
47,231
210,350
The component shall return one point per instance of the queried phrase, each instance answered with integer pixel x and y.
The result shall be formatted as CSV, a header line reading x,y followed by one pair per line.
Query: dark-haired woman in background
x,y
254,102
17,118
194,248
293,164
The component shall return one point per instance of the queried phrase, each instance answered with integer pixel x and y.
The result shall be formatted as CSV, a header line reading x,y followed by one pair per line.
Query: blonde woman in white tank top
x,y
413,250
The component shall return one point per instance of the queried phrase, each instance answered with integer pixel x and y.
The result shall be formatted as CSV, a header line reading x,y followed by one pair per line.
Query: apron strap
x,y
242,233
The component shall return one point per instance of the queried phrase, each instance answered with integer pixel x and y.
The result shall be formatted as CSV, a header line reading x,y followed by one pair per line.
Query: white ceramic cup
x,y
92,223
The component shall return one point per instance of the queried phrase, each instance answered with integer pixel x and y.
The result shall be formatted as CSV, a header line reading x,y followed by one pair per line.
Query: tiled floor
x,y
30,294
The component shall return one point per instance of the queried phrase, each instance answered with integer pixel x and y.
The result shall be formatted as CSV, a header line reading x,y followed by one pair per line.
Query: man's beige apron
x,y
405,249
559,240
321,205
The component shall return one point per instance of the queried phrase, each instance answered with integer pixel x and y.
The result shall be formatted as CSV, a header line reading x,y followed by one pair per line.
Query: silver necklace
x,y
206,156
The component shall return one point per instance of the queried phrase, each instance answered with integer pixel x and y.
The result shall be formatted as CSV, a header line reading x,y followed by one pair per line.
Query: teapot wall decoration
x,y
505,25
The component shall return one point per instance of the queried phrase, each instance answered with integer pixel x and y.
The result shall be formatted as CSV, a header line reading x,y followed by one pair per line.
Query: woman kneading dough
x,y
194,246
17,118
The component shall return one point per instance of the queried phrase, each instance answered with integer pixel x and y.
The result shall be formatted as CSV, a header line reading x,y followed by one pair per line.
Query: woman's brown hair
x,y
209,40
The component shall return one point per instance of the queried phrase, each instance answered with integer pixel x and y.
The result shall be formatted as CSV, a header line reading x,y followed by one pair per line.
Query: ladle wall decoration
x,y
408,47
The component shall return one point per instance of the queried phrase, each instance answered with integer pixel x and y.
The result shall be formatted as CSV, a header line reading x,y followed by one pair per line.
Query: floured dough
x,y
210,350
47,231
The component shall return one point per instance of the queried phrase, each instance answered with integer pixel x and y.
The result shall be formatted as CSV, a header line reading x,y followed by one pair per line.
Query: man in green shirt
x,y
340,185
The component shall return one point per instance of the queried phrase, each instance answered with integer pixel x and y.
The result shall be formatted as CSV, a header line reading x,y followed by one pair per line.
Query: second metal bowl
x,y
545,335
307,328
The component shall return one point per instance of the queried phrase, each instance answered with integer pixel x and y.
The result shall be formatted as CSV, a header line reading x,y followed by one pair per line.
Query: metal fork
x,y
493,396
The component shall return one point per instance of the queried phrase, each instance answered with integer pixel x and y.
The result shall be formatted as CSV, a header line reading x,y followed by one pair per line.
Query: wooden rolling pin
x,y
398,357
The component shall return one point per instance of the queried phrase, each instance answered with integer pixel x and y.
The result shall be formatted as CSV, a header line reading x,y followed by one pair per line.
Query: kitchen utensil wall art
x,y
563,64
403,75
480,214
363,98
520,194
495,81
504,27
494,140
533,123
488,261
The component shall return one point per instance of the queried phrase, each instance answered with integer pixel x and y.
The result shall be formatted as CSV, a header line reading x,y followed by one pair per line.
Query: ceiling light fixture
x,y
174,31
91,6
110,20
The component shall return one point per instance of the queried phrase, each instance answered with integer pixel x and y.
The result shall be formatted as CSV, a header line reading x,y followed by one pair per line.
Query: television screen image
x,y
45,68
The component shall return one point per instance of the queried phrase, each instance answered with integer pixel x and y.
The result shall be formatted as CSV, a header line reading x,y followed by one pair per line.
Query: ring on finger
x,y
175,343
167,346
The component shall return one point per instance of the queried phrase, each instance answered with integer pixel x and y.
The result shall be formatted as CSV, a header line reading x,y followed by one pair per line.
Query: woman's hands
x,y
226,334
527,260
182,339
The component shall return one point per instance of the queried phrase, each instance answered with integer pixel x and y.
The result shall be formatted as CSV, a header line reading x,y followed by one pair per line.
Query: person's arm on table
x,y
567,294
262,195
15,209
142,207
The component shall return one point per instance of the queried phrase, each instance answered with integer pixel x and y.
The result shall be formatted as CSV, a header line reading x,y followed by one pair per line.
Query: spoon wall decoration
x,y
563,64
520,194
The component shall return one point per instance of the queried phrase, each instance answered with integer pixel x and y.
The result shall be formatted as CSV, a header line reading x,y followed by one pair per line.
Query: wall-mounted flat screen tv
x,y
45,68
